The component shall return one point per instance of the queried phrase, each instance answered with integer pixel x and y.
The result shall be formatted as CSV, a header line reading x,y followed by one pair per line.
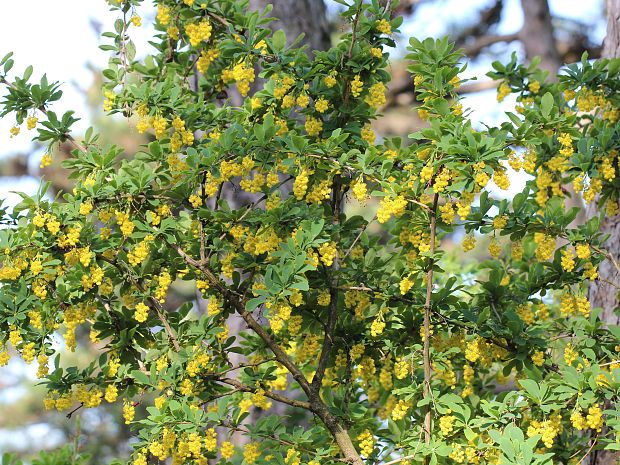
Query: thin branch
x,y
272,395
70,414
43,110
485,41
589,450
608,256
357,238
427,325
333,292
154,302
239,306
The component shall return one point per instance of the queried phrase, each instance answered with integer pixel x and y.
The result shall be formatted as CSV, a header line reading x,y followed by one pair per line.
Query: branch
x,y
43,110
478,86
607,255
272,395
357,238
316,405
333,293
485,41
239,306
427,325
155,303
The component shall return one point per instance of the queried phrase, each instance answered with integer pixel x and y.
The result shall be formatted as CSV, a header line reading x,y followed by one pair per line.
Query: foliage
x,y
390,356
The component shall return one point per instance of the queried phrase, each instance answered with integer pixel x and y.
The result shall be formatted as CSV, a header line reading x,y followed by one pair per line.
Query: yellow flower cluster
x,y
400,410
198,32
594,418
469,242
545,246
141,312
405,285
368,134
377,326
384,27
163,283
251,452
366,443
279,315
571,304
503,91
313,126
327,252
197,363
376,95
227,450
548,429
163,14
243,74
141,252
111,393
538,358
124,222
206,58
568,260
446,424
391,207
129,412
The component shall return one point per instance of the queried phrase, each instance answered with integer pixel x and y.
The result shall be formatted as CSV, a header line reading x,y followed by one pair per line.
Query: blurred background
x,y
61,39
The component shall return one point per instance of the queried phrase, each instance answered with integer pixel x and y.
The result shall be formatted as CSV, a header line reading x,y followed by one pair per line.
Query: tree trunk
x,y
601,294
537,35
297,17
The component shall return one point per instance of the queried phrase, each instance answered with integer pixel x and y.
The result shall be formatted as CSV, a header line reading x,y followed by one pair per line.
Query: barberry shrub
x,y
379,344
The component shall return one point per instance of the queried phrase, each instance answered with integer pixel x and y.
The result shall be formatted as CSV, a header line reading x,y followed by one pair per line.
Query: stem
x,y
427,327
43,110
272,395
333,293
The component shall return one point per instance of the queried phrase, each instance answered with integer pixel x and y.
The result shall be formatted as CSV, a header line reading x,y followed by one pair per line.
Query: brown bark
x,y
601,294
297,17
537,35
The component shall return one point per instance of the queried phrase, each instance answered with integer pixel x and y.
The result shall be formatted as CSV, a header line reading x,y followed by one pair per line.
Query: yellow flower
x,y
141,312
129,412
384,26
366,443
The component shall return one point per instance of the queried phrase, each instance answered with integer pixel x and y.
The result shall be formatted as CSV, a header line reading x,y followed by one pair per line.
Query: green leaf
x,y
546,104
278,40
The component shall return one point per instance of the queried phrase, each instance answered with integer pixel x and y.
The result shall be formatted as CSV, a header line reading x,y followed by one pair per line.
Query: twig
x,y
357,238
272,395
589,450
43,110
70,414
155,303
608,256
333,292
427,325
487,40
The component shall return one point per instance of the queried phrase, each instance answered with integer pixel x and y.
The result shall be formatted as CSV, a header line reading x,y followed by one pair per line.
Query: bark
x,y
537,35
601,294
297,17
